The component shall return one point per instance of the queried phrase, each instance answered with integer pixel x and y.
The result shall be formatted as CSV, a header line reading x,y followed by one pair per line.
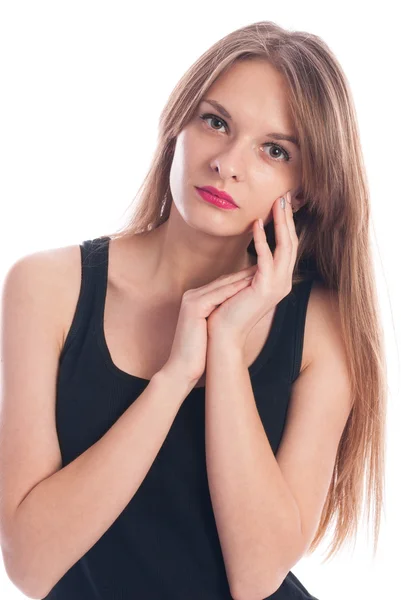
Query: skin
x,y
200,242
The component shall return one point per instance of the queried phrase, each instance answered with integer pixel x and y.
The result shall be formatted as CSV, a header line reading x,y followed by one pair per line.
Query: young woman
x,y
189,402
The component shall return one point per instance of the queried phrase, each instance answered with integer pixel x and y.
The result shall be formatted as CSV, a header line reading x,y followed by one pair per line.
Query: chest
x,y
139,335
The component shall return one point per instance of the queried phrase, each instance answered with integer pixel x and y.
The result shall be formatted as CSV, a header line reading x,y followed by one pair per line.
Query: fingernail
x,y
260,223
282,202
289,197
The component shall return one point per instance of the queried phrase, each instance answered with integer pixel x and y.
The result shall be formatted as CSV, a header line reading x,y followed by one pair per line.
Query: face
x,y
237,155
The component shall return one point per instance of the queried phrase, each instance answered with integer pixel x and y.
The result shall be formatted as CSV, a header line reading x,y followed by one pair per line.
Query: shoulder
x,y
322,324
51,279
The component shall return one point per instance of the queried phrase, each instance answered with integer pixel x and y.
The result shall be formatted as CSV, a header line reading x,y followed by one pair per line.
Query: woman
x,y
204,395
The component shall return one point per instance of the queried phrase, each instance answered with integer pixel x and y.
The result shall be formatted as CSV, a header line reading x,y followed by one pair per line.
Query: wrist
x,y
225,337
226,346
172,376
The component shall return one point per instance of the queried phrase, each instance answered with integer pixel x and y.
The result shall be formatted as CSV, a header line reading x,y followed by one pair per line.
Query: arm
x,y
66,514
256,515
51,516
267,507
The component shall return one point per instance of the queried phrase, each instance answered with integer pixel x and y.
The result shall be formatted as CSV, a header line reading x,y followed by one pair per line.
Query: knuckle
x,y
187,297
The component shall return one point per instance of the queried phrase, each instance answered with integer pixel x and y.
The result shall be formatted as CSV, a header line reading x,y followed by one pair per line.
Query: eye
x,y
206,117
287,155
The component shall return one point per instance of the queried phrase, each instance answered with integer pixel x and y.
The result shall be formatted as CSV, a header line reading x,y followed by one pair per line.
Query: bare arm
x,y
51,516
64,515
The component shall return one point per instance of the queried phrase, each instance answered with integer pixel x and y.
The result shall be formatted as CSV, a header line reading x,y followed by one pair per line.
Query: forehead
x,y
254,93
258,76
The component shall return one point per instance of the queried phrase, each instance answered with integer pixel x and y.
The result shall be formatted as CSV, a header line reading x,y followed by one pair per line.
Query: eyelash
x,y
287,154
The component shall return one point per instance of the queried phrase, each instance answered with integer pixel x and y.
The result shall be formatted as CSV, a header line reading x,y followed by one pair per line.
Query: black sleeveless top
x,y
164,545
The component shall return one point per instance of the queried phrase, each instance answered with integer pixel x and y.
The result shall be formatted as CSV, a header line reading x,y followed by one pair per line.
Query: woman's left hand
x,y
272,280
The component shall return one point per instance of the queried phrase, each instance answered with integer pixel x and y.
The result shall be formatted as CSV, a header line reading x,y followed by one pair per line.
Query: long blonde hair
x,y
333,231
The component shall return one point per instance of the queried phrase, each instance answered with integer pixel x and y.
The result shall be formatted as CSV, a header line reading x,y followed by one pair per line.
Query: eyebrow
x,y
226,114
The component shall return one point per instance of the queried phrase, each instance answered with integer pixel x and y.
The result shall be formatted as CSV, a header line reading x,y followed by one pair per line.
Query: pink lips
x,y
219,193
216,200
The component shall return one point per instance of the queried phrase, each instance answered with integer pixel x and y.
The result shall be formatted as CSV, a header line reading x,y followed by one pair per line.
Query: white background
x,y
82,87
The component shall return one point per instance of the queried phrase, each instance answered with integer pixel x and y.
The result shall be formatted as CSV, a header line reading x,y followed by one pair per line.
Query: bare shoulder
x,y
65,265
66,262
322,323
55,276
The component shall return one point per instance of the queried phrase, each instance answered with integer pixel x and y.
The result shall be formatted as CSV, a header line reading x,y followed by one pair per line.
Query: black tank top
x,y
164,545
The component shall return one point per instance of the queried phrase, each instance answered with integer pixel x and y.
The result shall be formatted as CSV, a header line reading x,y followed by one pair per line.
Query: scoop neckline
x,y
253,369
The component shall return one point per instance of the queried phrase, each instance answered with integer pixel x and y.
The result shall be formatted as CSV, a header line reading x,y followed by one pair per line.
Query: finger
x,y
264,254
291,227
291,222
284,245
230,278
213,298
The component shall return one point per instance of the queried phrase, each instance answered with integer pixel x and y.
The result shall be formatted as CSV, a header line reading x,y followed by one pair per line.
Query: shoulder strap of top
x,y
94,267
299,297
97,264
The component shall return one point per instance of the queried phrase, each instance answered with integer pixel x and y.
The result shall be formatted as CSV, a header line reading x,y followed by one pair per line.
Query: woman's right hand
x,y
189,348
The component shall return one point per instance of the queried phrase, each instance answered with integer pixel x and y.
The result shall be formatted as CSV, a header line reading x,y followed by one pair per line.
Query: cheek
x,y
187,150
176,169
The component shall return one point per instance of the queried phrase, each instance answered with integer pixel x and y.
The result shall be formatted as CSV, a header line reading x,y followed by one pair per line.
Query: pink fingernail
x,y
260,223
